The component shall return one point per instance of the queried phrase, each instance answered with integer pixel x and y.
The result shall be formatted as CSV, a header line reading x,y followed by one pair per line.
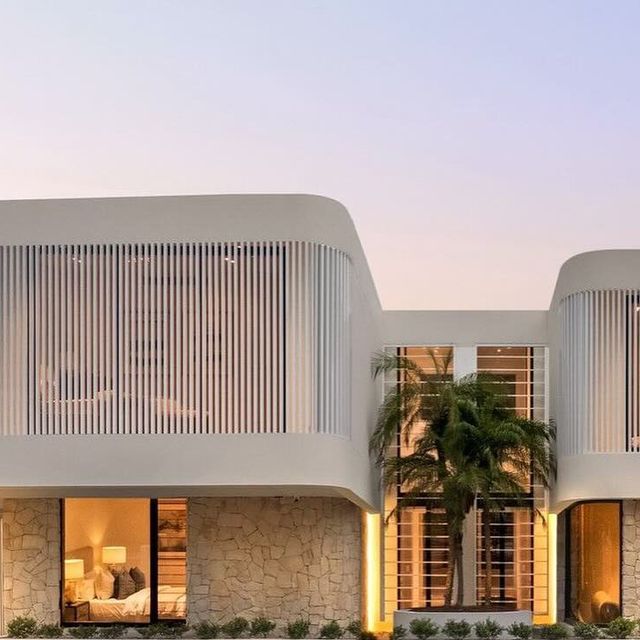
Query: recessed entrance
x,y
594,562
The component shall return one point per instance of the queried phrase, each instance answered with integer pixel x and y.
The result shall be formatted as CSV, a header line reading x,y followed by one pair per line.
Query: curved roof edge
x,y
192,218
605,269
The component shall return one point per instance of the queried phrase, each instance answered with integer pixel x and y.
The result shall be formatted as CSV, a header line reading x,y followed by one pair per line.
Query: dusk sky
x,y
477,145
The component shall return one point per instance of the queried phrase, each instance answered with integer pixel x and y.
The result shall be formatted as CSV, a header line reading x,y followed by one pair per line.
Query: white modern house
x,y
186,403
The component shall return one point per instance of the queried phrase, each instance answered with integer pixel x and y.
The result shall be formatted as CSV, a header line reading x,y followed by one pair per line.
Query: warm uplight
x,y
373,544
114,555
552,532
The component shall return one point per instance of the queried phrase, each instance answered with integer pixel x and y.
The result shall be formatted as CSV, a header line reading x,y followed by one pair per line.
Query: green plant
x,y
399,633
331,631
620,627
261,627
206,630
355,629
22,627
235,627
488,629
83,631
162,630
554,631
49,631
298,628
423,629
456,629
466,443
108,633
586,630
520,630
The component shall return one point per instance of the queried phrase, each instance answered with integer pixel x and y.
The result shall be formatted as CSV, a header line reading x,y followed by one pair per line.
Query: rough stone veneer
x,y
278,557
631,558
31,554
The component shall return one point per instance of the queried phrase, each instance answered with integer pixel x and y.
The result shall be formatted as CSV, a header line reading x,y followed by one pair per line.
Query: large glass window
x,y
124,560
593,587
416,552
172,558
519,550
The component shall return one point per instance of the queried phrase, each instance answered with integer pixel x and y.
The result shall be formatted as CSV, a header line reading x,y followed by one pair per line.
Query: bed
x,y
172,603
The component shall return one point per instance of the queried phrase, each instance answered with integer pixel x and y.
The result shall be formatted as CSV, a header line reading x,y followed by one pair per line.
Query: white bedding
x,y
137,607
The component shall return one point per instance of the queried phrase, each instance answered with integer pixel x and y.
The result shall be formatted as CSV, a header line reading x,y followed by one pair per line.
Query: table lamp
x,y
73,571
114,556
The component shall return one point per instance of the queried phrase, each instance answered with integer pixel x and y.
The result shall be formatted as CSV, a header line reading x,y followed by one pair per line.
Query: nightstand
x,y
76,611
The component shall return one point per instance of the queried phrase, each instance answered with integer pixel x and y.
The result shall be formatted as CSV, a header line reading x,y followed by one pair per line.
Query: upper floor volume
x,y
126,321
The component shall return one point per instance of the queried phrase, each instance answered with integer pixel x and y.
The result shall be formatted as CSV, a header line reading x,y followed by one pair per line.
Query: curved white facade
x,y
211,345
595,326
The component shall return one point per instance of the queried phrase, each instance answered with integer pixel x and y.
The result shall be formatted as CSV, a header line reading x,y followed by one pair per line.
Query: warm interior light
x,y
114,555
73,569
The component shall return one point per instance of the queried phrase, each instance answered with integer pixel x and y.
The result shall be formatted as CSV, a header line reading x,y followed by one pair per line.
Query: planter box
x,y
503,617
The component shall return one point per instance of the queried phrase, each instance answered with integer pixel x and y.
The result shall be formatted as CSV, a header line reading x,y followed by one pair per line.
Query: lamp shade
x,y
73,569
114,555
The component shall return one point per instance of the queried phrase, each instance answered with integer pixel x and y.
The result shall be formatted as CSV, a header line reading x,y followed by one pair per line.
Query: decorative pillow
x,y
124,586
103,582
86,589
138,578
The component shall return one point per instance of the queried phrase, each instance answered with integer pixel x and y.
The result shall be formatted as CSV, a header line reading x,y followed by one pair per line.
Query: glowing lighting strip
x,y
372,569
552,523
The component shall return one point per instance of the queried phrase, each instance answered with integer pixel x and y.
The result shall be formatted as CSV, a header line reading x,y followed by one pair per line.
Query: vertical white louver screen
x,y
599,371
248,337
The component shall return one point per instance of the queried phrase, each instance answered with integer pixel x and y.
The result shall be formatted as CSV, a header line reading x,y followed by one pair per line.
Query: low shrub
x,y
520,630
423,629
83,631
456,629
162,630
261,627
235,627
22,627
398,633
554,631
298,628
49,631
620,627
109,633
586,630
206,630
488,629
355,629
331,631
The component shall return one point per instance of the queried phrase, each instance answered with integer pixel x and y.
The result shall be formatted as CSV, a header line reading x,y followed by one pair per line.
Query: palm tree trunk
x,y
451,568
488,565
459,563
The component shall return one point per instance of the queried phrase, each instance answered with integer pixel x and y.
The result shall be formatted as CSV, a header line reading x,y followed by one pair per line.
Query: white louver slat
x,y
599,371
188,338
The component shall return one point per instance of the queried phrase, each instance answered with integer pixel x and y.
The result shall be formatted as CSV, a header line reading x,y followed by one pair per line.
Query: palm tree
x,y
464,444
506,450
423,411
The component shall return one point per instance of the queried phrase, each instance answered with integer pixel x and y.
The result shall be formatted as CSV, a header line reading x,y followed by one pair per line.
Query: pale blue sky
x,y
477,145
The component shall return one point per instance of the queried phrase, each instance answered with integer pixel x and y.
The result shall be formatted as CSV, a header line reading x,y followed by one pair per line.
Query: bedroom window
x,y
124,560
